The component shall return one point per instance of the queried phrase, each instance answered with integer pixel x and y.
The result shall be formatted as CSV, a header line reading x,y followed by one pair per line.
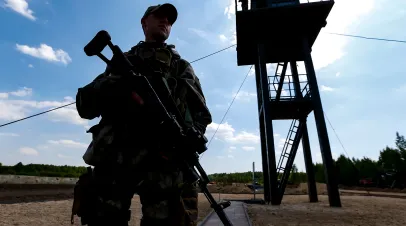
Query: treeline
x,y
43,170
388,171
247,177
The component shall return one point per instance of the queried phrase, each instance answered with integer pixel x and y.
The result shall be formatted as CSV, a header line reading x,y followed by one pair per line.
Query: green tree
x,y
400,142
401,145
319,173
347,172
390,159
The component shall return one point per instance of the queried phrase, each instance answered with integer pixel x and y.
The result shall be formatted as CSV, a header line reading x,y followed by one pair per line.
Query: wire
x,y
221,50
371,38
348,156
53,109
336,134
225,114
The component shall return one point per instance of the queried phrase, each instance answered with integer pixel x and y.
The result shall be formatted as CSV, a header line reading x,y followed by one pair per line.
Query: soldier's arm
x,y
196,101
97,97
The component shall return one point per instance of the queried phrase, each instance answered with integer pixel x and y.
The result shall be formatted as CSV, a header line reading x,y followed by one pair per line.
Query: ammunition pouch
x,y
87,104
100,148
83,199
90,209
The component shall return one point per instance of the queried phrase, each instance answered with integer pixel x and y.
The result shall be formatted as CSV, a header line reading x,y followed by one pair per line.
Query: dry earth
x,y
295,210
52,213
356,210
26,207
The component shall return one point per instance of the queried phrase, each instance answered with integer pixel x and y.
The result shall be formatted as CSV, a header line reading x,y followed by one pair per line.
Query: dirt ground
x,y
50,206
237,188
356,210
51,213
295,210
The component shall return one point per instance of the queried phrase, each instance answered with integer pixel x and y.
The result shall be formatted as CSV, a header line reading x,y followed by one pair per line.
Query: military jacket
x,y
105,93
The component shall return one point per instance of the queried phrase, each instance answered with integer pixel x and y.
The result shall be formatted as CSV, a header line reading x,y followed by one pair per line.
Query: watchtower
x,y
283,32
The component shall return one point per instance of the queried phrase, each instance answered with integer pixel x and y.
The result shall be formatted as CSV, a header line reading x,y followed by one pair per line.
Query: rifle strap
x,y
176,66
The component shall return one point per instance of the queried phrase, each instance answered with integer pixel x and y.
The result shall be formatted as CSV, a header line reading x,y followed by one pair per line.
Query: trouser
x,y
165,198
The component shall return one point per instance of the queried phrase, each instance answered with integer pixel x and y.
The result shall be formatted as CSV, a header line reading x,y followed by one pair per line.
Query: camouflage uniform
x,y
121,153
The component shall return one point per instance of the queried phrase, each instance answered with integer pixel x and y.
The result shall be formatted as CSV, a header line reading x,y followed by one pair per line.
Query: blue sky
x,y
362,82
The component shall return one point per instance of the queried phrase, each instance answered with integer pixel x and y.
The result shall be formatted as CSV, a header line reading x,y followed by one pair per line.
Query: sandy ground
x,y
52,213
356,210
295,210
242,189
46,206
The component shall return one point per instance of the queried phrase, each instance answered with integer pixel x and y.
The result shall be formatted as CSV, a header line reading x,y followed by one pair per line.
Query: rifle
x,y
187,143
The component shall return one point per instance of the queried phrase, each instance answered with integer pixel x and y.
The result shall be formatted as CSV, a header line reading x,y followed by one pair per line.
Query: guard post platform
x,y
283,32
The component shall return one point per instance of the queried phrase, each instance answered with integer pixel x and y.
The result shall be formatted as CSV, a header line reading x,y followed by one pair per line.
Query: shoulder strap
x,y
178,65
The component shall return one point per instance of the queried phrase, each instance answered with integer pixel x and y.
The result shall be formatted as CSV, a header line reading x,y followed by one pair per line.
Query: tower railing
x,y
249,2
288,90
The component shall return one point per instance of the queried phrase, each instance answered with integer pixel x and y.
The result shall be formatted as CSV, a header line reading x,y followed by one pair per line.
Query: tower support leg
x,y
329,168
264,155
311,180
265,167
267,139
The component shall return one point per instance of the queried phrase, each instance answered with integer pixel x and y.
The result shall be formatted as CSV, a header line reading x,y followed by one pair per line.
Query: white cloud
x,y
270,69
21,7
68,114
230,9
244,137
45,52
247,148
28,151
281,142
9,134
329,48
233,39
338,74
222,157
223,38
210,37
22,92
13,109
245,96
200,33
401,89
231,149
30,65
227,133
63,156
324,88
68,143
43,147
3,95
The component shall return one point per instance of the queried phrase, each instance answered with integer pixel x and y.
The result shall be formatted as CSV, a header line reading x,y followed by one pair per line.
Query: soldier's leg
x,y
161,201
113,191
190,202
